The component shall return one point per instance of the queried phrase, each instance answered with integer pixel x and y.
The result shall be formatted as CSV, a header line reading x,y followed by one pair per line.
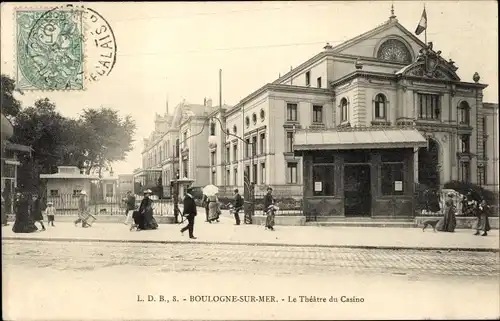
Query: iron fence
x,y
288,202
67,204
422,198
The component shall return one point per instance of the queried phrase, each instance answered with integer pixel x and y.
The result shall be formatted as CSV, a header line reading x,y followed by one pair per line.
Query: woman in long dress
x,y
146,221
483,223
213,208
23,223
448,222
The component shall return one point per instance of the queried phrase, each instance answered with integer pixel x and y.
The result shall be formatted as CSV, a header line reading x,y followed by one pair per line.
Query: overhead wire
x,y
331,42
188,16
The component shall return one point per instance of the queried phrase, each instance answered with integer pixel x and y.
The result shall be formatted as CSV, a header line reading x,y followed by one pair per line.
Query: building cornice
x,y
490,105
372,61
366,74
277,88
386,76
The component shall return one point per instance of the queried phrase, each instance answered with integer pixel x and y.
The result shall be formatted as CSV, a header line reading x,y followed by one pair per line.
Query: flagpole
x,y
426,24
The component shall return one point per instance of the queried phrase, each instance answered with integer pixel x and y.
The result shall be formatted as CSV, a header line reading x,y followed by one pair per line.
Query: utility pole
x,y
223,138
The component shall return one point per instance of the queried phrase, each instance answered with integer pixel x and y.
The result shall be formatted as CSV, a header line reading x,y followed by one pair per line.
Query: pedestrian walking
x,y
213,208
144,219
36,210
189,212
237,206
50,211
23,222
483,223
204,204
270,212
83,213
130,207
448,222
4,212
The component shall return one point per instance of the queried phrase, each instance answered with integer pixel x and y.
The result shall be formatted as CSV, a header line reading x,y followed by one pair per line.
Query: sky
x,y
175,50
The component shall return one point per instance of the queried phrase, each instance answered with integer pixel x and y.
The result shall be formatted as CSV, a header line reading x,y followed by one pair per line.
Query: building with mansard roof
x,y
354,127
176,146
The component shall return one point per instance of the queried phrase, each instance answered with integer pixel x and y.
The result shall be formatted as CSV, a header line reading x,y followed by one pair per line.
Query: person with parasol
x,y
212,202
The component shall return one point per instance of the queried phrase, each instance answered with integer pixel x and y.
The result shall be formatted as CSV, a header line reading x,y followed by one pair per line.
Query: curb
x,y
360,247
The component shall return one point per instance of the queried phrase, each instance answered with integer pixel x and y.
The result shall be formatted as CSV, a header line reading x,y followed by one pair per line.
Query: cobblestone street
x,y
109,278
236,258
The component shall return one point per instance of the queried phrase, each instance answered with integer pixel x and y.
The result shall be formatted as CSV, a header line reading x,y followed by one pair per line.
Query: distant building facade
x,y
65,186
177,146
125,184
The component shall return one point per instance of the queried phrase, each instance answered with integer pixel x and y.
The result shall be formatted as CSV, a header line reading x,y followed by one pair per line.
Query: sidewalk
x,y
226,232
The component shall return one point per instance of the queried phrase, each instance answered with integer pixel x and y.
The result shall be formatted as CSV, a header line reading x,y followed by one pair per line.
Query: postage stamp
x,y
50,49
62,48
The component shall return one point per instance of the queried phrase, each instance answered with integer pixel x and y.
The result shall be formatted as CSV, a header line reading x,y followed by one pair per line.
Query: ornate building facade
x,y
382,110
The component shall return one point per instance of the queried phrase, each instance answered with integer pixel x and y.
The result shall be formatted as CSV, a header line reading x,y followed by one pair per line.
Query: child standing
x,y
50,211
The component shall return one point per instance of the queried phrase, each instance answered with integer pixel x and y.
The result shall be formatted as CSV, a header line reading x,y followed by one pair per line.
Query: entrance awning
x,y
358,139
17,147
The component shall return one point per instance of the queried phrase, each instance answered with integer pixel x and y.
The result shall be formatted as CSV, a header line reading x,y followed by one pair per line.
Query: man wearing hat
x,y
82,209
189,212
130,204
237,206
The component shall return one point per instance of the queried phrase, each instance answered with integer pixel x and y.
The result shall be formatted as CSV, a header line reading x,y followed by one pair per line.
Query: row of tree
x,y
92,141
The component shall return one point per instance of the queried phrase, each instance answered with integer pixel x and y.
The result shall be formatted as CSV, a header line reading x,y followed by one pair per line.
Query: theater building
x,y
401,115
350,131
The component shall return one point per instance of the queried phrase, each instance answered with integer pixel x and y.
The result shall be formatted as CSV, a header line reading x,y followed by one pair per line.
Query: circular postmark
x,y
63,48
101,45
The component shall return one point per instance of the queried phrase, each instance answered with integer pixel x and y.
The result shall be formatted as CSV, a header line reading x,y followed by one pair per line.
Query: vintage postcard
x,y
250,160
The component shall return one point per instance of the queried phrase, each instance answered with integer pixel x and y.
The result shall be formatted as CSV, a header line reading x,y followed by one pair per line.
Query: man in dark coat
x,y
189,212
483,223
36,210
4,213
238,204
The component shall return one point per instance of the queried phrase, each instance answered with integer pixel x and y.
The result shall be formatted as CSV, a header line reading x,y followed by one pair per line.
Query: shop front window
x,y
323,180
392,178
392,173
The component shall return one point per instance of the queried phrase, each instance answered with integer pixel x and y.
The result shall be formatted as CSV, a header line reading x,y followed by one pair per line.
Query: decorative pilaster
x,y
479,133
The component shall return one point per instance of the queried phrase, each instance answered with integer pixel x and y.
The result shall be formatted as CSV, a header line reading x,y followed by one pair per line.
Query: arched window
x,y
394,50
344,110
380,106
212,129
464,113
